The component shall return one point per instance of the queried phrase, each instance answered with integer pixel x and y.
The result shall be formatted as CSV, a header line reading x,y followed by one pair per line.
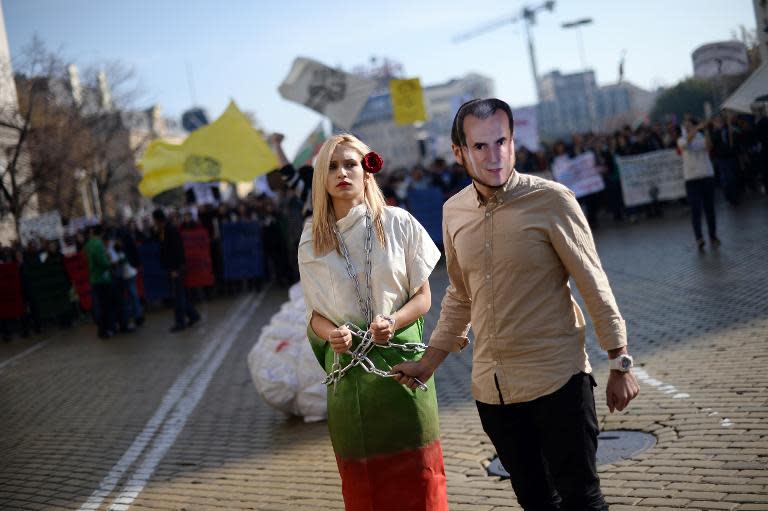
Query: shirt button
x,y
495,363
487,244
487,276
487,215
488,306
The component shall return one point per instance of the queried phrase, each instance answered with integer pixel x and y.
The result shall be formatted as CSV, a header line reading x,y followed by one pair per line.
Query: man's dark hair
x,y
482,109
158,215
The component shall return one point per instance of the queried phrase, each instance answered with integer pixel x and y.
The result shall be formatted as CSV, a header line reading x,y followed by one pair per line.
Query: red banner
x,y
77,269
11,298
197,252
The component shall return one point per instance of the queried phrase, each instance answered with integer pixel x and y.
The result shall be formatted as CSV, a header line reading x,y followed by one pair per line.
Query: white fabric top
x,y
696,162
398,270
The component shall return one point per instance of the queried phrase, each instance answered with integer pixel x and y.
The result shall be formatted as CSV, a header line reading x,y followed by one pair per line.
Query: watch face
x,y
626,363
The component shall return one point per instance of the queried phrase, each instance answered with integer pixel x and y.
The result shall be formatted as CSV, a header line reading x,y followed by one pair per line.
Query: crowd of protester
x,y
737,145
738,148
112,254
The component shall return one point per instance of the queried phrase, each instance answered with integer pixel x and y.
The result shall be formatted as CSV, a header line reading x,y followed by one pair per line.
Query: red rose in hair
x,y
372,162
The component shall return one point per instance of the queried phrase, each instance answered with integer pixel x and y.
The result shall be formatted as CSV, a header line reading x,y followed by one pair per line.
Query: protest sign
x,y
77,270
49,287
426,206
526,128
197,253
656,174
47,226
579,174
243,251
154,277
11,297
407,101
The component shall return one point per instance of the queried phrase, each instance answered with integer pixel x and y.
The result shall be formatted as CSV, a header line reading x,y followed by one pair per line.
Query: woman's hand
x,y
383,329
340,339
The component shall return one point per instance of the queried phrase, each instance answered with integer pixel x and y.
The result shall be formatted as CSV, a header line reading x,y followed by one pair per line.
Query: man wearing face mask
x,y
512,241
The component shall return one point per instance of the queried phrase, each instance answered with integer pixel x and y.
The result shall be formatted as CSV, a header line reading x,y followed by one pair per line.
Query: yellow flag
x,y
407,101
227,149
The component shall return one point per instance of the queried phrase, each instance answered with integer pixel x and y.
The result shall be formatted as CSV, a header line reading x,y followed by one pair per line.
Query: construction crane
x,y
528,16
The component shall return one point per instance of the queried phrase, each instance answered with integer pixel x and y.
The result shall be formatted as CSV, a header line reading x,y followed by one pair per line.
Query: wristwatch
x,y
622,363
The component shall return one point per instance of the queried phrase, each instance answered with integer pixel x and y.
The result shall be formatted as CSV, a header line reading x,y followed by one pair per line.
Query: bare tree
x,y
18,180
66,138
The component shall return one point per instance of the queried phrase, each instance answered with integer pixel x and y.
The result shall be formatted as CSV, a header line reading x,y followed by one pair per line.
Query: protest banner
x,y
407,101
526,132
197,253
656,174
48,287
80,224
77,270
154,278
242,249
47,226
426,206
337,95
11,296
579,174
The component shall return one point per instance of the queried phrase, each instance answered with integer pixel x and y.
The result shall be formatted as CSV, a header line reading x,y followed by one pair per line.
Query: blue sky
x,y
242,49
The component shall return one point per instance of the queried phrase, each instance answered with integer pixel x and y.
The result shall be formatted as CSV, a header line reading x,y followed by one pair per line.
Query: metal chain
x,y
360,353
366,305
360,357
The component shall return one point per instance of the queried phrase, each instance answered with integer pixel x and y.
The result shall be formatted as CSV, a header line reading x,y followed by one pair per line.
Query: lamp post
x,y
577,24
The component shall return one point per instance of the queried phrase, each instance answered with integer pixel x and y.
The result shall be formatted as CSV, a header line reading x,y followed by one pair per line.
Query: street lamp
x,y
577,24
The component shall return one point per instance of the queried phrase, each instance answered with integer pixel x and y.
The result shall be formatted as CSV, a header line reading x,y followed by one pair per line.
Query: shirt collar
x,y
500,193
353,216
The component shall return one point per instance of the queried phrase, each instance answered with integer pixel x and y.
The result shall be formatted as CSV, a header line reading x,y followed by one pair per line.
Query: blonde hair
x,y
323,217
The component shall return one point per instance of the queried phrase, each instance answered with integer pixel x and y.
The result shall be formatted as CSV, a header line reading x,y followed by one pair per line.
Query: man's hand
x,y
406,373
382,330
340,339
621,389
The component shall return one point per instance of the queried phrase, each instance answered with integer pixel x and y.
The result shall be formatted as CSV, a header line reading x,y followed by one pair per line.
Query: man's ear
x,y
457,154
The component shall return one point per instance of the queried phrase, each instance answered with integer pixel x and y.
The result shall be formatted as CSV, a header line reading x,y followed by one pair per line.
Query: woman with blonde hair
x,y
364,271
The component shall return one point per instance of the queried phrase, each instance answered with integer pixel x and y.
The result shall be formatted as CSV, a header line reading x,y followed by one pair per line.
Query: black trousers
x,y
182,307
105,307
701,197
548,446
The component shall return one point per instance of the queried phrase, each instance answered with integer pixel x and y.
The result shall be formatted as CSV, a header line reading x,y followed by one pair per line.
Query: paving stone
x,y
697,325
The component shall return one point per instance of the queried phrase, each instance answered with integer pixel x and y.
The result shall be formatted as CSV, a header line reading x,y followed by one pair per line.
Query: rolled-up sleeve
x,y
572,240
452,330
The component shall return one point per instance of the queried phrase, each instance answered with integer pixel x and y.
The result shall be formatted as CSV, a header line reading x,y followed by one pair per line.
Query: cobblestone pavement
x,y
154,421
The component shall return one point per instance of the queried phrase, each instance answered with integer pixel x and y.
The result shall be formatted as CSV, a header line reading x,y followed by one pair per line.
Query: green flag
x,y
310,147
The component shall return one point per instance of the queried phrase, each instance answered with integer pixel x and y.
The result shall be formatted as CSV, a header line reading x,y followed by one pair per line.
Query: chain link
x,y
360,353
360,357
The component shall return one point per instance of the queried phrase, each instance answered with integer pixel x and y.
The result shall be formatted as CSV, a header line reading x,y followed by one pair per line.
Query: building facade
x,y
574,103
724,58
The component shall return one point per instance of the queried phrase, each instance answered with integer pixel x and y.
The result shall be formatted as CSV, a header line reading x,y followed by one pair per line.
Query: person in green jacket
x,y
100,277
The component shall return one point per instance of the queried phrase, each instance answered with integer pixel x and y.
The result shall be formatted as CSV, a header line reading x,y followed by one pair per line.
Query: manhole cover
x,y
611,446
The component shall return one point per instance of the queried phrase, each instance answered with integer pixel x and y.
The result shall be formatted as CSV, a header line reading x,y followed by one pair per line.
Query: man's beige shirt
x,y
509,260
